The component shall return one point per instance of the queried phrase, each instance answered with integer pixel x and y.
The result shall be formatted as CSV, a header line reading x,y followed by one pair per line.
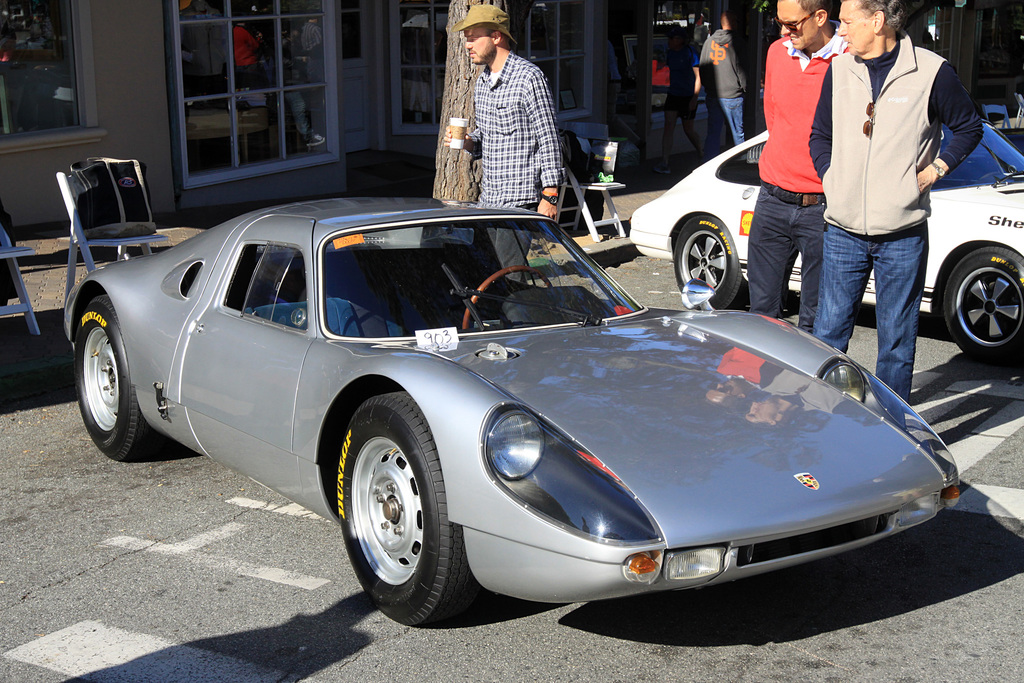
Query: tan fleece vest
x,y
871,184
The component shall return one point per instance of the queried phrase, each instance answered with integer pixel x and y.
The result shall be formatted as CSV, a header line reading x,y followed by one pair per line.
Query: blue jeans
x,y
723,110
899,262
777,232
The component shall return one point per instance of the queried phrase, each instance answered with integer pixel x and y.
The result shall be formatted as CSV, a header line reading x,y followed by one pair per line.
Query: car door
x,y
242,359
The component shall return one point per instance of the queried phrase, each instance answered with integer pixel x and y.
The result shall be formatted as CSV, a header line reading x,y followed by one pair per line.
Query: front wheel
x,y
106,397
705,250
983,305
391,499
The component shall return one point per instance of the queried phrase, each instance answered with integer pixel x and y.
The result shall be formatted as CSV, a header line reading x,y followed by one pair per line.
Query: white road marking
x,y
970,450
102,654
1004,423
189,547
293,509
993,387
933,411
923,379
997,501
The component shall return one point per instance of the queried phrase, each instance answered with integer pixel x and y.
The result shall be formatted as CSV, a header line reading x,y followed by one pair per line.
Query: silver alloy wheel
x,y
988,306
387,511
706,257
99,376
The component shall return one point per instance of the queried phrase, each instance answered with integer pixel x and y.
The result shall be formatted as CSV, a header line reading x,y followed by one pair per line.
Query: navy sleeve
x,y
821,129
951,104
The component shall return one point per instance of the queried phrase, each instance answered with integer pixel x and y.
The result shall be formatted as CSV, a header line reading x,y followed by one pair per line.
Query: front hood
x,y
709,432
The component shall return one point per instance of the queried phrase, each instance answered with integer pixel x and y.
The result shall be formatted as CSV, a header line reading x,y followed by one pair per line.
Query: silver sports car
x,y
478,404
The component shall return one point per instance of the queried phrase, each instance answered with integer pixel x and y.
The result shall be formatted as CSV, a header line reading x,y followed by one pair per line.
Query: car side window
x,y
742,168
270,283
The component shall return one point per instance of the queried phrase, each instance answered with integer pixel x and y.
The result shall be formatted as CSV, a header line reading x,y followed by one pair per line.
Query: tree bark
x,y
457,176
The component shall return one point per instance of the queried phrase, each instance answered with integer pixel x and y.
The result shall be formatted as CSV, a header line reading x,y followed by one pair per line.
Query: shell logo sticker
x,y
93,315
808,480
126,182
746,218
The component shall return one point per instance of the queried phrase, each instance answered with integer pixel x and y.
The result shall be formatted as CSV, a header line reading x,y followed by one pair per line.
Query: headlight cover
x,y
545,471
846,377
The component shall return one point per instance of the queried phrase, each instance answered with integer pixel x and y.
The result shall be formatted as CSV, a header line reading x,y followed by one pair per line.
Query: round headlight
x,y
847,379
515,445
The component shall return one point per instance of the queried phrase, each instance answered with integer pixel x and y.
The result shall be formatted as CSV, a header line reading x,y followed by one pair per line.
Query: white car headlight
x,y
515,445
847,378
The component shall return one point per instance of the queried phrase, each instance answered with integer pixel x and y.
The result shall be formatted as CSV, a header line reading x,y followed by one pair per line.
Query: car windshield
x,y
993,159
474,275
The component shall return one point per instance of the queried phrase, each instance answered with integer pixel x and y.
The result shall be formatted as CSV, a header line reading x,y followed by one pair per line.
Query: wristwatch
x,y
550,199
938,169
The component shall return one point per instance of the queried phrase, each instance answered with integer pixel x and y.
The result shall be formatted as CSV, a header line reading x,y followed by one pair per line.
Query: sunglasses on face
x,y
792,26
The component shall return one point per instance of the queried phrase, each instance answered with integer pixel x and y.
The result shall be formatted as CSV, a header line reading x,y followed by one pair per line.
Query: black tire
x,y
106,397
983,305
705,250
391,498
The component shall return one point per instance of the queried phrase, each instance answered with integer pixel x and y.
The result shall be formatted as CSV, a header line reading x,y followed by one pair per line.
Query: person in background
x,y
875,145
789,214
616,126
516,135
725,84
684,85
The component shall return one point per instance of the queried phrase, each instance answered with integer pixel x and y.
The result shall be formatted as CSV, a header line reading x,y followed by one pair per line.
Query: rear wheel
x,y
391,498
106,397
704,250
983,305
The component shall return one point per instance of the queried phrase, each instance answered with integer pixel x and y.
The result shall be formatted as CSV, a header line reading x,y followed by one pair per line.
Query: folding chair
x,y
10,253
79,240
999,109
1020,109
580,189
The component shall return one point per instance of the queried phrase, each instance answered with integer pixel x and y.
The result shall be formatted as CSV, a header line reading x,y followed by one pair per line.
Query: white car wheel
x,y
984,305
704,250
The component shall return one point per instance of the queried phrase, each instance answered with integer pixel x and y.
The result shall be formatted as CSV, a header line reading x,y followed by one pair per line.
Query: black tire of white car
x,y
106,397
705,250
983,305
391,498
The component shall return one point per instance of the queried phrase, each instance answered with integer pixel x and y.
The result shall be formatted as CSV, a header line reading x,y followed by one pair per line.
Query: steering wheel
x,y
494,276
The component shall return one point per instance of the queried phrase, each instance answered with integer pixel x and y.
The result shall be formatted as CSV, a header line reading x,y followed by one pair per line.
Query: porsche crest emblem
x,y
808,480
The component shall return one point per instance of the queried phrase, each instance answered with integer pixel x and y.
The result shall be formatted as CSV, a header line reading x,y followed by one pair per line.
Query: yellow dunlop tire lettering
x,y
93,315
341,474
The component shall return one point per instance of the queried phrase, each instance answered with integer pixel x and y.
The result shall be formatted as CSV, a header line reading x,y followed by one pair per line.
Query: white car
x,y
975,276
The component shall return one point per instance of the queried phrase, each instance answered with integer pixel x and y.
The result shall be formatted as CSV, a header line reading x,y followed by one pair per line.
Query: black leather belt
x,y
798,198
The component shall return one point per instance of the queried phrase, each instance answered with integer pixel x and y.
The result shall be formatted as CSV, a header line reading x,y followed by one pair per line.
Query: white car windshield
x,y
475,275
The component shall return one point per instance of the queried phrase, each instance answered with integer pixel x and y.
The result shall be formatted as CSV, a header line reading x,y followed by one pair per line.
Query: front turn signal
x,y
949,496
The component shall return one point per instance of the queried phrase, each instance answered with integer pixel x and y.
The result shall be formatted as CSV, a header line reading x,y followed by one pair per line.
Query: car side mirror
x,y
697,295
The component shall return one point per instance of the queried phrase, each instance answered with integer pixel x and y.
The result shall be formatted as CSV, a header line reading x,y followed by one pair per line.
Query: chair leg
x,y
72,265
614,212
19,286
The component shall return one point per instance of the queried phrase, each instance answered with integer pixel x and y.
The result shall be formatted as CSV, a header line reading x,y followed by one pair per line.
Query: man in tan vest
x,y
875,145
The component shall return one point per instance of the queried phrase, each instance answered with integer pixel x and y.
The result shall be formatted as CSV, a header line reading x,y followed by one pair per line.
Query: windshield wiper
x,y
1008,178
586,319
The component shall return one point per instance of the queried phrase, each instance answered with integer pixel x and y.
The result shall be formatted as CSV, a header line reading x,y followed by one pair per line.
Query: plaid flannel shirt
x,y
516,135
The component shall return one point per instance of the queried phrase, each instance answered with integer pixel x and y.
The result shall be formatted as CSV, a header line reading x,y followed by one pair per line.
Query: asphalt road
x,y
180,570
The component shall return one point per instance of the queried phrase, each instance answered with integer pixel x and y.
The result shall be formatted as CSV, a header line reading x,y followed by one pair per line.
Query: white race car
x,y
975,277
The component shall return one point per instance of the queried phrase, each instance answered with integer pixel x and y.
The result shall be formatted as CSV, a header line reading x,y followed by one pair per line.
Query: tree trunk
x,y
457,176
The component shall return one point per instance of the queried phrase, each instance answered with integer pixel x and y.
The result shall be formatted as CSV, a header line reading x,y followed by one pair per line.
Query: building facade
x,y
229,101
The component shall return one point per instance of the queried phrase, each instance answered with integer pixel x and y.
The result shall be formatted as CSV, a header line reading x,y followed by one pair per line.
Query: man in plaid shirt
x,y
515,134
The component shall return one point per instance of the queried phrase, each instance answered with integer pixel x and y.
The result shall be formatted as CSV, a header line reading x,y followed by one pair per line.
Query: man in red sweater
x,y
789,215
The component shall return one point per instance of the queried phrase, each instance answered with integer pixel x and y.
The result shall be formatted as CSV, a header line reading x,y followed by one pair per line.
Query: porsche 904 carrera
x,y
479,405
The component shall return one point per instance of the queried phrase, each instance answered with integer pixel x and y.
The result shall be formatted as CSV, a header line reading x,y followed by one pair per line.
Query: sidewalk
x,y
31,365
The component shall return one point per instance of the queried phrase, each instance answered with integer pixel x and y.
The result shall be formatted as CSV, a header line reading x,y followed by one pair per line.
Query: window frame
x,y
328,154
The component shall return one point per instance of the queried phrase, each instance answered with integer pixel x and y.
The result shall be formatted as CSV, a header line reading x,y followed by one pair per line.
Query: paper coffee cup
x,y
458,128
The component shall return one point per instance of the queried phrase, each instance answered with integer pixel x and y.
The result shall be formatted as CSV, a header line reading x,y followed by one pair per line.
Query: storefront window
x,y
556,40
1000,52
253,85
37,75
422,45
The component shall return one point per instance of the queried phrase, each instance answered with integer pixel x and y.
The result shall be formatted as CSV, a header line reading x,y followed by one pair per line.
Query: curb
x,y
32,378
